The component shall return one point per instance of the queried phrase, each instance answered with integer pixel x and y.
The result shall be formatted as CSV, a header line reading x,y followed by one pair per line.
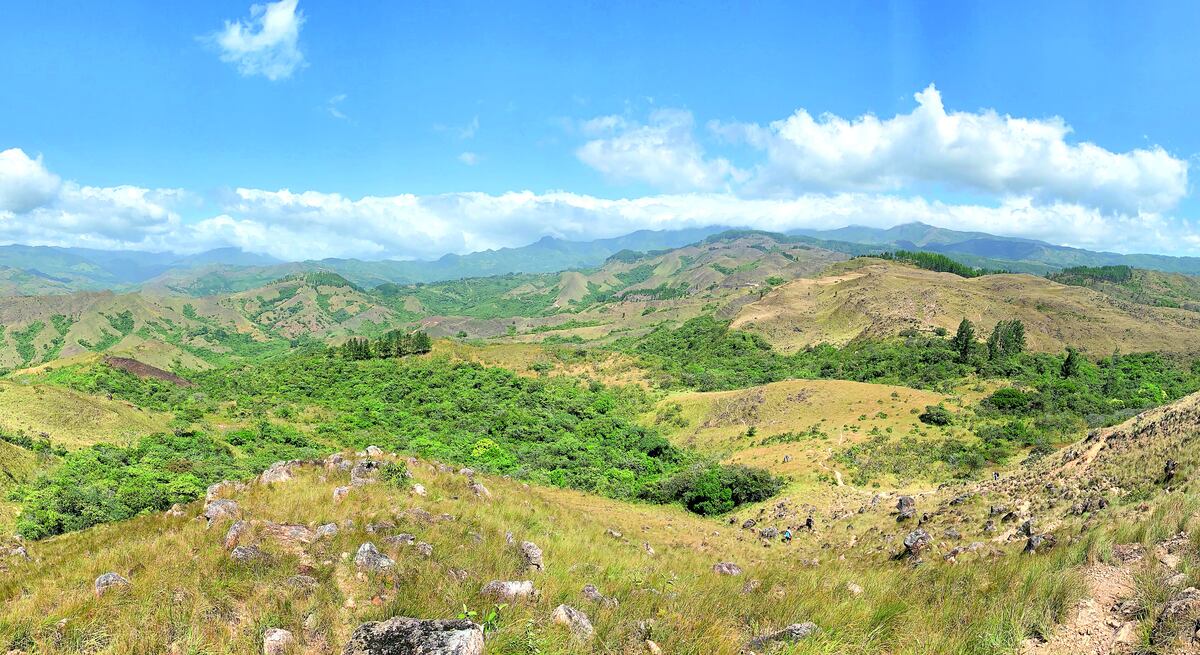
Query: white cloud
x,y
333,106
24,183
663,152
311,224
929,147
469,158
267,44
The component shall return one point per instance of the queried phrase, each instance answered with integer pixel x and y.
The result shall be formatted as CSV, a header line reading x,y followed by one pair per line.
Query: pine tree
x,y
1070,365
963,340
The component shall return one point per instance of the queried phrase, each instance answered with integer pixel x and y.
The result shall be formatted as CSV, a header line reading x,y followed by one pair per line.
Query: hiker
x,y
808,523
787,535
995,475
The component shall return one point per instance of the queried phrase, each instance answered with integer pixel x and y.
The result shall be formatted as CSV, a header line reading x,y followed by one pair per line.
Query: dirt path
x,y
1093,627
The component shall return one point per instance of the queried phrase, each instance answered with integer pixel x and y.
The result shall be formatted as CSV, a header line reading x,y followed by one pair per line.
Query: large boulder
x,y
370,559
508,589
291,537
788,635
235,534
408,636
906,508
577,622
917,542
1176,623
110,582
249,555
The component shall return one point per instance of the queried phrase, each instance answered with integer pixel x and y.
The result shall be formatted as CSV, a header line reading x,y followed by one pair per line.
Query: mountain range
x,y
43,270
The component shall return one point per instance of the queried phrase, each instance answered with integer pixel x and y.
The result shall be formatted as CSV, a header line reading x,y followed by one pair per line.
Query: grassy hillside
x,y
1136,285
873,299
671,593
71,419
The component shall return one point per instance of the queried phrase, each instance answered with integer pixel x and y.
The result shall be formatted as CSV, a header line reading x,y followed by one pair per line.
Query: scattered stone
x,y
418,489
402,539
1026,529
915,543
176,510
277,641
576,621
854,589
467,472
591,593
653,648
279,472
109,582
248,555
906,506
290,536
374,451
303,583
769,533
369,558
1039,542
508,590
408,636
235,534
615,534
532,556
425,549
1169,471
726,568
327,530
340,493
365,472
336,462
479,490
648,548
750,586
221,510
380,527
788,635
952,534
749,523
1177,620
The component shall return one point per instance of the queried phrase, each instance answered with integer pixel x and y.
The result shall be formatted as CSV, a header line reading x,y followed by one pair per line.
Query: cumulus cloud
x,y
310,224
24,182
267,44
663,152
469,158
928,147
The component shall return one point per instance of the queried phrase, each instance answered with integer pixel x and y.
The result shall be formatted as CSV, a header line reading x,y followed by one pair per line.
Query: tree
x,y
1007,340
963,340
1070,365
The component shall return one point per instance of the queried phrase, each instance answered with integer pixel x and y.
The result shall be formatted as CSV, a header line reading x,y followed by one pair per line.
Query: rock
x,y
726,568
425,549
109,582
235,534
1026,529
290,536
788,635
750,586
576,621
749,523
278,642
374,451
218,489
340,493
1039,542
769,533
279,472
653,648
952,533
854,589
915,543
221,510
615,534
408,636
1169,470
467,472
369,558
381,527
906,507
508,590
248,555
336,462
365,472
402,539
648,548
418,489
302,583
532,556
479,490
327,530
176,510
591,593
1177,620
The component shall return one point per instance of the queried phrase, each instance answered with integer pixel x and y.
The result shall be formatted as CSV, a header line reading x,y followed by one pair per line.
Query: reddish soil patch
x,y
147,371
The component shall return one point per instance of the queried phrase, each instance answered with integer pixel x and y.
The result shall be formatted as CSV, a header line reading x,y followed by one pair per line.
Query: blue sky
x,y
407,130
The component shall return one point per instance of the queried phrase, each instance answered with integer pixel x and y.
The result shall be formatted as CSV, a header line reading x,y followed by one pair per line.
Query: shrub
x,y
936,415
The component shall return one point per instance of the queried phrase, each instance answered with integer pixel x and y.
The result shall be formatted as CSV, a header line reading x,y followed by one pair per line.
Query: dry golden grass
x,y
873,298
844,413
527,358
188,596
73,419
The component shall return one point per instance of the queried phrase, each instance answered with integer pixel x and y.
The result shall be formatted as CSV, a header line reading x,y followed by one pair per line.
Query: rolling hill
x,y
871,298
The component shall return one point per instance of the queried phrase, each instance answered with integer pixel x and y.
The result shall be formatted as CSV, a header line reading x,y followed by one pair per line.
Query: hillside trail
x,y
1095,626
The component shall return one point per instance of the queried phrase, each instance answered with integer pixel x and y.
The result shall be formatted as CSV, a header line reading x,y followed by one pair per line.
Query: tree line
x,y
396,343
